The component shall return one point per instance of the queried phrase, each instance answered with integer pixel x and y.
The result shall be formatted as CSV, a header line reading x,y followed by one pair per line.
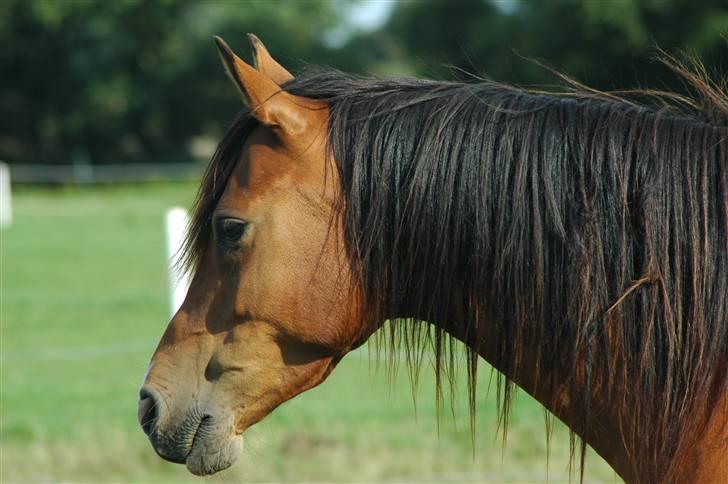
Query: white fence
x,y
6,210
175,223
83,173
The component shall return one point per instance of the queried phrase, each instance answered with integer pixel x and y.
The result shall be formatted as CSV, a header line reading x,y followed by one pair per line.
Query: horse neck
x,y
538,240
703,459
602,422
603,432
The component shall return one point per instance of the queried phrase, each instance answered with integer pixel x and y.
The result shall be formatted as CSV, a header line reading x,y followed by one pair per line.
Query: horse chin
x,y
212,453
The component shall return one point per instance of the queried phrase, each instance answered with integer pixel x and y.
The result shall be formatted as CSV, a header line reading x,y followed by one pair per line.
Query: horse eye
x,y
230,230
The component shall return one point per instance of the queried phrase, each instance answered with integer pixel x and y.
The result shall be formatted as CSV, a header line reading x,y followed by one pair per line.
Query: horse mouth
x,y
202,443
200,432
211,449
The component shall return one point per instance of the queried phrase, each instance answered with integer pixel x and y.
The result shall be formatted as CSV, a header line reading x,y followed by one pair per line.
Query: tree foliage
x,y
130,80
607,44
140,81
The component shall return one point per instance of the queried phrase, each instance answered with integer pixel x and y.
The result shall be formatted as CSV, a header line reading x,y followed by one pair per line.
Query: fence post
x,y
179,281
6,209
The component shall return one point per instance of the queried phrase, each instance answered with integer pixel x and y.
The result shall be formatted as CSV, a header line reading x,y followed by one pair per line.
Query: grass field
x,y
83,302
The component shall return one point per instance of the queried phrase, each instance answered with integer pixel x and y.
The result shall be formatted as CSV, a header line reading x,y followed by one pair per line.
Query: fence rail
x,y
118,173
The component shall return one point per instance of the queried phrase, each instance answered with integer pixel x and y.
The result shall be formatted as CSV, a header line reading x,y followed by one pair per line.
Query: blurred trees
x,y
139,80
131,80
606,44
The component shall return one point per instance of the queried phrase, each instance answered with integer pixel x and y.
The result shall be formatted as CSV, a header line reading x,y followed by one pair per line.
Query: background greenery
x,y
138,80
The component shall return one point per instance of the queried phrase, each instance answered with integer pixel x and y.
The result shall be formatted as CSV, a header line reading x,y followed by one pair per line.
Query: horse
x,y
577,241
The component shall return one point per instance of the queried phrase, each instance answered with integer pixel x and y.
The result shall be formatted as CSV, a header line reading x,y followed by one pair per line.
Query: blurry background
x,y
109,112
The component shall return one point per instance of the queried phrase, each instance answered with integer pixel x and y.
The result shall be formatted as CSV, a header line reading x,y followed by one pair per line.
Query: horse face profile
x,y
269,310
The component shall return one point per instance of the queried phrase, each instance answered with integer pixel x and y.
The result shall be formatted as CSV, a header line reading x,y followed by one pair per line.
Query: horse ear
x,y
266,64
268,103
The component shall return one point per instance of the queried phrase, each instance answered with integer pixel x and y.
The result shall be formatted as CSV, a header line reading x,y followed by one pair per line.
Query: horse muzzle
x,y
203,440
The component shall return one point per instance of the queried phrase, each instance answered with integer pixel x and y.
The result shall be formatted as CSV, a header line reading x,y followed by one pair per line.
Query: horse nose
x,y
147,410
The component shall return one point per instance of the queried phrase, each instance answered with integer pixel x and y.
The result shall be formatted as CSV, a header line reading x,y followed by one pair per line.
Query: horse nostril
x,y
147,411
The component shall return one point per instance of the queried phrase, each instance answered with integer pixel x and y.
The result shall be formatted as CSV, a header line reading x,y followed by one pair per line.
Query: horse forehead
x,y
264,163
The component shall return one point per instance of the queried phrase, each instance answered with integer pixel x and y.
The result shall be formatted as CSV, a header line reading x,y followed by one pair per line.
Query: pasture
x,y
83,304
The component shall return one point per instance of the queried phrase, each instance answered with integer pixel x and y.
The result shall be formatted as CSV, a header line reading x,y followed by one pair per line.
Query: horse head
x,y
270,310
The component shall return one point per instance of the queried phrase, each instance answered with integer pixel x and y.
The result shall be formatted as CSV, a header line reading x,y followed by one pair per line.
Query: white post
x,y
6,210
175,221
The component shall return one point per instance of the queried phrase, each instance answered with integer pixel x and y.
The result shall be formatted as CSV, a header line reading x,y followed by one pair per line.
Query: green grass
x,y
83,301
